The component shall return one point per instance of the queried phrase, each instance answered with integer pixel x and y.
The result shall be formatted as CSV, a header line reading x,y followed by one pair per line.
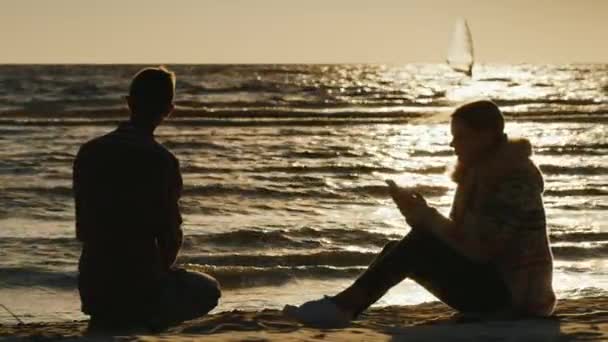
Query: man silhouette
x,y
126,188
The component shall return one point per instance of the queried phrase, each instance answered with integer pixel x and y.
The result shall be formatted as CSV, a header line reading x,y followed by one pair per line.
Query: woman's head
x,y
477,128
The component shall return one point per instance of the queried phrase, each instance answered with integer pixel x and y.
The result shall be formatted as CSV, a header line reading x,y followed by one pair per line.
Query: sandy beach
x,y
574,320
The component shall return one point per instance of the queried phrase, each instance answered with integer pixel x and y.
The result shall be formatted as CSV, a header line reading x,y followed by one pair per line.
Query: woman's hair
x,y
481,115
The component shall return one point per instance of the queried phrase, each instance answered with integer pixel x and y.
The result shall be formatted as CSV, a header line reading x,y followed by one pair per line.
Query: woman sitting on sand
x,y
490,256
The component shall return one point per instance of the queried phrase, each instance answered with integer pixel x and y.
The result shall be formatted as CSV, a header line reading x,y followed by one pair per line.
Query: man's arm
x,y
170,245
171,237
78,197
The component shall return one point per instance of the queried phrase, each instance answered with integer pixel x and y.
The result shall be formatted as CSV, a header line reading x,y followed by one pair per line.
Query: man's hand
x,y
411,204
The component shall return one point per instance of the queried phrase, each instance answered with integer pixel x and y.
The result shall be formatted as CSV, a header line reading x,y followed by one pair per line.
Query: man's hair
x,y
152,88
481,115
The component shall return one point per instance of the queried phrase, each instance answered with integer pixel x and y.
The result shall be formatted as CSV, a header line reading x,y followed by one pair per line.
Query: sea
x,y
284,169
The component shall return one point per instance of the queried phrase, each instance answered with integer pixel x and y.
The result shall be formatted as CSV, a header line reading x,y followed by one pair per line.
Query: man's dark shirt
x,y
126,188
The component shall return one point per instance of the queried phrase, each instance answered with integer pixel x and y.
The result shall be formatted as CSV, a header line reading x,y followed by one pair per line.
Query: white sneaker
x,y
322,313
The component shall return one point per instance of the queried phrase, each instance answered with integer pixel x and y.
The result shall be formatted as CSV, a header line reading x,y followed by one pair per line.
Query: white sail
x,y
460,52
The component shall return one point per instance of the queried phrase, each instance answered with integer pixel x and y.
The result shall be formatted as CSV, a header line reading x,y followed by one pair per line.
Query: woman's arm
x,y
504,215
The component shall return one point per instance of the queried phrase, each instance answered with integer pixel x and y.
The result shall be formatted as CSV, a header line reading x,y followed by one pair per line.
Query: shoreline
x,y
574,319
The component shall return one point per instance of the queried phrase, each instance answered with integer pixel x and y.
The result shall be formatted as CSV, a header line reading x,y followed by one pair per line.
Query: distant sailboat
x,y
460,52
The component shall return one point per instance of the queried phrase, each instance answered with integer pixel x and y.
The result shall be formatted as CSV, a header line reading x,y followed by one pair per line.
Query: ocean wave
x,y
198,169
542,84
195,145
17,166
331,169
547,101
569,252
289,117
255,239
334,151
346,169
579,237
559,115
339,258
586,205
211,122
342,258
425,153
246,86
32,156
289,238
39,190
286,191
241,240
382,190
576,192
573,170
351,236
231,277
578,149
585,292
495,79
248,238
305,179
217,189
292,170
237,110
246,270
36,277
302,91
58,242
9,131
327,154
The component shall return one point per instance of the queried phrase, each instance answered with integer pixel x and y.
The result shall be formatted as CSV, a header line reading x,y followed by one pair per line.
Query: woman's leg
x,y
387,270
457,281
451,277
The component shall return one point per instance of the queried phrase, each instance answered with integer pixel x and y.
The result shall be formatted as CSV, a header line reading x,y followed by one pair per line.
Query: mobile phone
x,y
396,189
391,184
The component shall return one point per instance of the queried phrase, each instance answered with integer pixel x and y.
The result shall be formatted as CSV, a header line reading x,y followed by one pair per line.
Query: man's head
x,y
151,95
477,128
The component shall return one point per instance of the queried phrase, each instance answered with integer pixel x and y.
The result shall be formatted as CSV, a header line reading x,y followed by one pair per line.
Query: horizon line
x,y
293,63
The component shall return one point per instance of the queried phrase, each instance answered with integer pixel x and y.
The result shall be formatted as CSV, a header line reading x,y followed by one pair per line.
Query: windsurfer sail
x,y
460,52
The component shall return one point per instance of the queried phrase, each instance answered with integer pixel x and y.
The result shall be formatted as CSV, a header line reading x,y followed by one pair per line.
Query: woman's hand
x,y
411,204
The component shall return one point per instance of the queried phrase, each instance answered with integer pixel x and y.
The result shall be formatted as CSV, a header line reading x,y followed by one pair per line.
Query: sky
x,y
306,31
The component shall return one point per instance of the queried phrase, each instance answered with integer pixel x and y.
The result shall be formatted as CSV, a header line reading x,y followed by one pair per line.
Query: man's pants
x,y
183,295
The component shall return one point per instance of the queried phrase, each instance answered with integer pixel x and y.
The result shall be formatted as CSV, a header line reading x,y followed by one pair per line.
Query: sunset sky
x,y
307,31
